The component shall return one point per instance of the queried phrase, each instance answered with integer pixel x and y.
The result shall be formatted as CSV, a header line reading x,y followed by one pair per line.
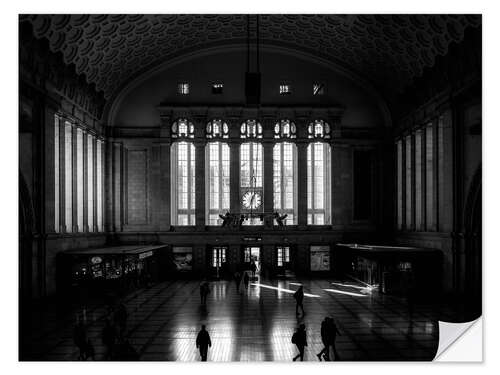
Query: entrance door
x,y
283,257
251,256
218,261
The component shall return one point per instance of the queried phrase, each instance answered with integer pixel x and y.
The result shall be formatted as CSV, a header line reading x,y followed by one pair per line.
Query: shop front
x,y
110,268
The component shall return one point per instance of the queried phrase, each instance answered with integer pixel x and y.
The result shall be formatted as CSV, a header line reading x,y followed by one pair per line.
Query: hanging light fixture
x,y
253,78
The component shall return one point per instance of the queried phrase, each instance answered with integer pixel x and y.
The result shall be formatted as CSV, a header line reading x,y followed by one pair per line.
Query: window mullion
x,y
282,172
219,166
189,187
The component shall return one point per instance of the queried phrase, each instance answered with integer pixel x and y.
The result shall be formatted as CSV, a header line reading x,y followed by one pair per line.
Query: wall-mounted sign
x,y
183,258
95,260
252,239
146,254
320,258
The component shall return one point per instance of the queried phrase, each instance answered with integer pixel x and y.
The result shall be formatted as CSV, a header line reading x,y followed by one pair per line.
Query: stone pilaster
x,y
268,176
234,176
302,184
200,207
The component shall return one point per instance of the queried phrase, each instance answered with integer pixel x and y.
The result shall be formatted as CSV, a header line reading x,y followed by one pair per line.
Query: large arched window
x,y
183,183
217,129
285,129
217,181
251,181
251,129
285,182
319,129
182,128
318,184
251,173
285,172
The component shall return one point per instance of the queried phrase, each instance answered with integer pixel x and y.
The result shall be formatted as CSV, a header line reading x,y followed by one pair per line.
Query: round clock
x,y
251,200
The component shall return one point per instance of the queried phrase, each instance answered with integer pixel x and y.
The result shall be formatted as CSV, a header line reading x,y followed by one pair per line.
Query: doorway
x,y
218,261
251,255
283,258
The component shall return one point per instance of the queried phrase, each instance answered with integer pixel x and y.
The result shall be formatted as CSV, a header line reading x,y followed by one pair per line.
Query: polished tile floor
x,y
252,325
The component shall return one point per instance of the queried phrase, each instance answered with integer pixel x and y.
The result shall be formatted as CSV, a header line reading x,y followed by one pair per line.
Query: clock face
x,y
251,200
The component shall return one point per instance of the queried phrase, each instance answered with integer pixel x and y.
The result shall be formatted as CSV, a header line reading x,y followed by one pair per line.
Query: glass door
x,y
218,260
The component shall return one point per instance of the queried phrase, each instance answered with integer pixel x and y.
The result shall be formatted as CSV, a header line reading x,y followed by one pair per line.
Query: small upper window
x,y
183,88
182,128
285,129
217,88
251,129
318,129
318,89
217,129
285,89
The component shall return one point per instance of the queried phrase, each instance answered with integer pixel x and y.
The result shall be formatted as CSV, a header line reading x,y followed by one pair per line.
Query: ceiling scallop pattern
x,y
388,50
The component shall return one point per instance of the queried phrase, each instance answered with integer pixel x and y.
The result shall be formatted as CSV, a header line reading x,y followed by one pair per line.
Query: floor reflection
x,y
254,324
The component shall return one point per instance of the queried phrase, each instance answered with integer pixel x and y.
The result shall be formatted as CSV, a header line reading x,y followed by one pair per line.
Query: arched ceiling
x,y
387,50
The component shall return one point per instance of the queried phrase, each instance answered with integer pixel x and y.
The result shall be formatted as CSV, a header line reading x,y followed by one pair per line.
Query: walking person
x,y
325,338
253,268
299,298
108,339
333,332
300,340
246,280
203,343
80,339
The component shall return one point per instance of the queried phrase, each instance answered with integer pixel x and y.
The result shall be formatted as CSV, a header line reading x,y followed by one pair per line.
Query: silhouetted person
x,y
280,219
333,332
203,343
121,318
242,219
246,280
80,339
108,339
226,219
89,350
299,339
299,298
253,268
325,338
237,280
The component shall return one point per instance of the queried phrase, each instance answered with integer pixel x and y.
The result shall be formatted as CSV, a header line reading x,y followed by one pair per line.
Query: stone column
x,y
302,184
200,208
50,172
117,151
234,257
62,176
85,181
234,177
342,185
267,147
268,261
74,178
94,184
413,182
165,188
